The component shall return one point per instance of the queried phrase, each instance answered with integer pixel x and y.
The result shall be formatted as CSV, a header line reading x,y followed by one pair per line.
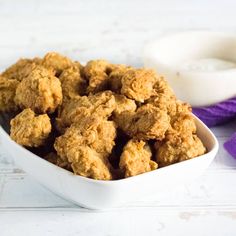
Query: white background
x,y
115,30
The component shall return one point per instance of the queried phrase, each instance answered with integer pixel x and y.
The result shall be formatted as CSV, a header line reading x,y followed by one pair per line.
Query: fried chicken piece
x,y
99,134
21,69
87,145
136,158
30,130
96,72
138,84
182,122
7,94
56,62
72,83
163,96
123,104
88,163
41,91
148,122
176,148
56,160
101,104
115,77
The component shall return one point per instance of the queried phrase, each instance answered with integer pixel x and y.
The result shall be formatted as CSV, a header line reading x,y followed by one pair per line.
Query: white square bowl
x,y
97,194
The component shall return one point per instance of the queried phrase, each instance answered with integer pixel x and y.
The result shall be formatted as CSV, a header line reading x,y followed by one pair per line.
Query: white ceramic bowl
x,y
97,194
198,86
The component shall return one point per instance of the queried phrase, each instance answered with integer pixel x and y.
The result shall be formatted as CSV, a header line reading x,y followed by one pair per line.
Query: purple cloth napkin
x,y
219,114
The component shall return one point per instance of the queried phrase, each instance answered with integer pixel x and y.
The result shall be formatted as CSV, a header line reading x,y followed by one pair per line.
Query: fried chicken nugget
x,y
21,69
30,130
136,158
182,122
123,104
101,104
115,77
7,94
163,96
96,72
176,148
148,122
87,145
99,134
72,83
88,163
56,62
41,91
138,84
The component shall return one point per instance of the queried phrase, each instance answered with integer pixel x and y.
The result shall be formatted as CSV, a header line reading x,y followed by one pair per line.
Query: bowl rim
x,y
149,48
213,151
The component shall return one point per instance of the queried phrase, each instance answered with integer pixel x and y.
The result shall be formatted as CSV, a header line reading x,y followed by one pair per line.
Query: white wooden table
x,y
115,30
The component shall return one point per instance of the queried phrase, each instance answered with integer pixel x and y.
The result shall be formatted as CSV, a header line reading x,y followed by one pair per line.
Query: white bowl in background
x,y
97,194
182,58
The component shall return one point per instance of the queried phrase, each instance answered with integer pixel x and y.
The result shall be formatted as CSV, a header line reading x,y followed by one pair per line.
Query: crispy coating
x,y
7,94
182,122
148,122
99,134
101,104
88,163
115,77
30,130
136,158
41,91
56,62
21,69
87,145
176,148
138,84
72,83
123,104
96,72
163,97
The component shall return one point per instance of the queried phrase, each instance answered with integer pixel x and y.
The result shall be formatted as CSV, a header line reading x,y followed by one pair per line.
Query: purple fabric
x,y
230,145
219,114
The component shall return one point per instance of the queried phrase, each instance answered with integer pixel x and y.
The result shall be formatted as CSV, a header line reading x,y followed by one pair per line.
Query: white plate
x,y
97,194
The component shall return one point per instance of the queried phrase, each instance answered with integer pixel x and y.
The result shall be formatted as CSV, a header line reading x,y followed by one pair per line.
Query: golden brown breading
x,y
138,84
136,158
87,145
72,83
56,62
163,97
99,134
123,104
96,72
41,91
148,122
115,77
30,130
101,104
182,122
21,69
86,162
176,148
7,94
